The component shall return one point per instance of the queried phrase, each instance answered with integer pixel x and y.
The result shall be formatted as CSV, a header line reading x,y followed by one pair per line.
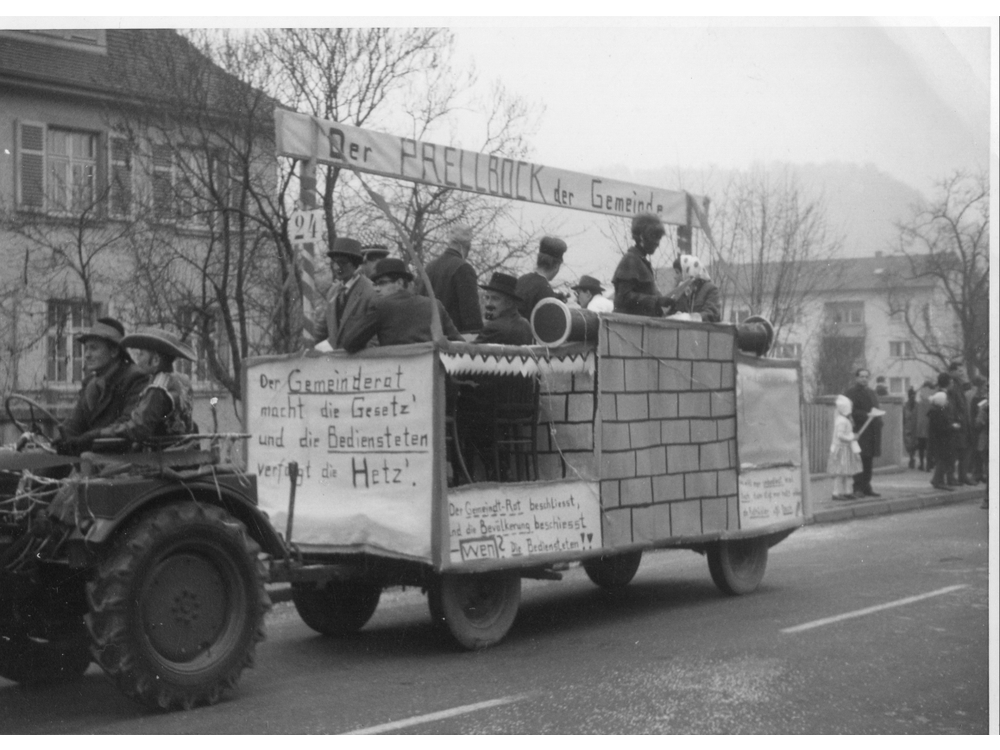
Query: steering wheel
x,y
35,423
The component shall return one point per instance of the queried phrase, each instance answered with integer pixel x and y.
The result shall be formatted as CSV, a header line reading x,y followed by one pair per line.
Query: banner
x,y
361,431
306,137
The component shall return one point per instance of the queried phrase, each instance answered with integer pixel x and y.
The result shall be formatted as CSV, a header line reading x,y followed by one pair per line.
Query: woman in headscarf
x,y
695,292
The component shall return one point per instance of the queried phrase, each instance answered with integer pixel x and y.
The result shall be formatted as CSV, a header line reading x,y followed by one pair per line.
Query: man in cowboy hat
x,y
536,285
504,324
453,280
350,294
111,387
589,295
397,315
166,404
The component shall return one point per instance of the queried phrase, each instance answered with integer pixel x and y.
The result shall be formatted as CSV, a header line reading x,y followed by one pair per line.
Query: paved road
x,y
869,626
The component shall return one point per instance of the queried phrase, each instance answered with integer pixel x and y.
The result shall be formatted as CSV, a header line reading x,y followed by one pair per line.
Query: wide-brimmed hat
x,y
552,246
503,283
392,267
106,329
159,341
346,247
589,284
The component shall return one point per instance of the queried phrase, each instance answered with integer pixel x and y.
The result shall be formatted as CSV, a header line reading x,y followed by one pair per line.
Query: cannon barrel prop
x,y
554,323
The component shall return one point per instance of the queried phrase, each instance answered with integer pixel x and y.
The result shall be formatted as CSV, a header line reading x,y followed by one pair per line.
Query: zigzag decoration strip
x,y
506,364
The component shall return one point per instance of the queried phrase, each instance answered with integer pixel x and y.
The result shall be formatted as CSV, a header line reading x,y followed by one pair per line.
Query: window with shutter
x,y
31,166
120,169
163,182
72,170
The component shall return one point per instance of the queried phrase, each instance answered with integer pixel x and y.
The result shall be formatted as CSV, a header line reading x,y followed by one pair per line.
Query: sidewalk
x,y
901,490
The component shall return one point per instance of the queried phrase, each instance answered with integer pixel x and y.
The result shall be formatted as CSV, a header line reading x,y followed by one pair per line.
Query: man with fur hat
x,y
166,404
454,281
397,315
504,324
636,292
590,295
350,294
111,387
536,285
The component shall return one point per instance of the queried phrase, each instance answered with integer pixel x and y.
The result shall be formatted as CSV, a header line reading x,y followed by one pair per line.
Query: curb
x,y
864,508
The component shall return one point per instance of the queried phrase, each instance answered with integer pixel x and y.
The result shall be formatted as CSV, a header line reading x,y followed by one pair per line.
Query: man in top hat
x,y
373,249
504,324
349,296
111,387
536,285
397,315
167,402
636,292
590,295
453,280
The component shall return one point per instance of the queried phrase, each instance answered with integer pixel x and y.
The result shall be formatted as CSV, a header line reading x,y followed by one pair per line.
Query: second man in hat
x,y
349,296
504,324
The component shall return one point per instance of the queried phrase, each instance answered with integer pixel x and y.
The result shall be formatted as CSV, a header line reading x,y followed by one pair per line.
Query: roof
x,y
96,69
862,274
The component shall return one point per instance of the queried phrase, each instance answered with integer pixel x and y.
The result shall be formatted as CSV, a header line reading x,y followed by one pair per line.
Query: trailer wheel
x,y
35,661
338,608
178,608
477,608
613,572
737,565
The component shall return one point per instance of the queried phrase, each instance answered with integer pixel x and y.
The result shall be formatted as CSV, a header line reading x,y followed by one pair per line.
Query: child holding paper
x,y
845,453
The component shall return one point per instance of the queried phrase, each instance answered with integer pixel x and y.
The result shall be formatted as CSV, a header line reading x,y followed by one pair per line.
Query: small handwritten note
x,y
770,496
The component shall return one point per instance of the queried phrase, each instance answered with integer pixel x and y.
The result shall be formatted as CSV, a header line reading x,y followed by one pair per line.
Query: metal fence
x,y
818,429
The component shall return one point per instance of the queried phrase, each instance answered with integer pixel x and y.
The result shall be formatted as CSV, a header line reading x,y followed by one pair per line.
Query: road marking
x,y
869,610
438,715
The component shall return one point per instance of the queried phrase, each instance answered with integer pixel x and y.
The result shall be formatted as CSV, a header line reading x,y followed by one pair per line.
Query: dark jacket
x,y
701,297
509,328
959,403
330,326
453,280
106,398
165,409
864,400
940,434
532,288
635,286
401,318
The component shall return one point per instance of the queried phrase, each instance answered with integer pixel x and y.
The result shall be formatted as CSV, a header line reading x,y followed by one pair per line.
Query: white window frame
x,y
901,349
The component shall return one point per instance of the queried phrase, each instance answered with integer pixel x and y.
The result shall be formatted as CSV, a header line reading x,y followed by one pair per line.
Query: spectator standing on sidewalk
x,y
964,445
983,446
976,468
844,460
910,427
941,429
923,404
864,400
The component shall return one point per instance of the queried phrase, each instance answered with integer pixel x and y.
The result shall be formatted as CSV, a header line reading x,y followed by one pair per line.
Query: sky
x,y
909,96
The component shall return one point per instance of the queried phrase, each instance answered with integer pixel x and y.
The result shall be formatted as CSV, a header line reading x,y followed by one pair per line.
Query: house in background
x,y
80,199
852,318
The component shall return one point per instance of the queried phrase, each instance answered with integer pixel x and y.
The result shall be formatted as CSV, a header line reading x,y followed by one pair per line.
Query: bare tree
x,y
946,241
772,241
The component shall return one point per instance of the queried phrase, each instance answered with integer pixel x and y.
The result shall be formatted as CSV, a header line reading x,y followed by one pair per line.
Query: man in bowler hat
x,y
454,280
504,324
397,315
349,296
536,285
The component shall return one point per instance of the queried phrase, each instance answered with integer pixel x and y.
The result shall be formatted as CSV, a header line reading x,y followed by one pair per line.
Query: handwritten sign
x,y
361,431
307,137
519,520
770,496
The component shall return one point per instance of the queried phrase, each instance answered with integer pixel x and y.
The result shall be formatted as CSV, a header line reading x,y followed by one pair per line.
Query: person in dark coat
x,y
941,429
695,292
910,428
504,324
535,286
923,405
964,439
397,316
864,400
349,296
454,281
110,390
636,292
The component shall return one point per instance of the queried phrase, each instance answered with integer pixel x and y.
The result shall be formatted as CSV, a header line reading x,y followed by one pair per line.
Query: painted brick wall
x,y
667,406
